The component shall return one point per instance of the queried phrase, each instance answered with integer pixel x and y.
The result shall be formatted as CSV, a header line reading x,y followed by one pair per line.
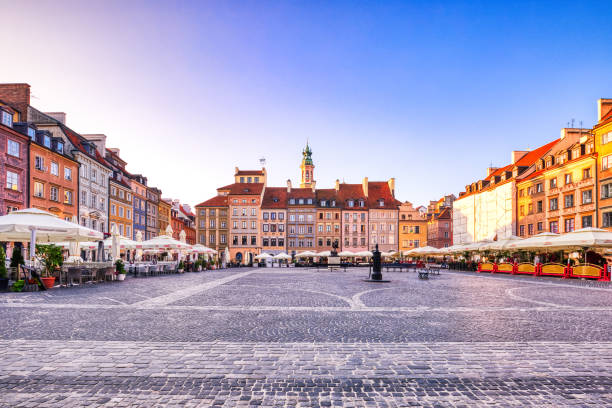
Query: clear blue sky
x,y
428,92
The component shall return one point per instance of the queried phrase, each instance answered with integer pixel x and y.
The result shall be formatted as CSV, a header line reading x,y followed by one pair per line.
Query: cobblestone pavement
x,y
292,337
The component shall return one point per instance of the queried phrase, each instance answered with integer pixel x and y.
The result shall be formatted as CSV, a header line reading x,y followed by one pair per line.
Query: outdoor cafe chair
x,y
73,274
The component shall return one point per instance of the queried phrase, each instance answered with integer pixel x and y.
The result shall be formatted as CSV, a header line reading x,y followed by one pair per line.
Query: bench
x,y
399,267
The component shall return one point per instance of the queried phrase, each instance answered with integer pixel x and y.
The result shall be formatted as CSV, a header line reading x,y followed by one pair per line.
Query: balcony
x,y
568,187
586,207
585,182
554,191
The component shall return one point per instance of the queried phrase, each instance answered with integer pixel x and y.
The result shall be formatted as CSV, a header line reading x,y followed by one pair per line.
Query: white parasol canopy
x,y
263,255
324,253
388,254
306,254
477,246
347,254
539,241
202,249
583,238
364,254
164,242
502,244
282,255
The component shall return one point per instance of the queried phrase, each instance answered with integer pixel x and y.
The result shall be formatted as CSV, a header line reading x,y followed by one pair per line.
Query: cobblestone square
x,y
302,337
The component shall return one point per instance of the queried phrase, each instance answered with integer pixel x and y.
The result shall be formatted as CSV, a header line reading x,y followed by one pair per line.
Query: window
x,y
12,180
554,204
12,148
291,217
569,201
244,211
235,211
121,212
7,119
351,203
569,225
606,162
265,242
522,210
554,226
244,224
265,216
568,179
530,229
253,240
265,228
587,221
361,203
272,227
39,163
292,201
113,209
553,183
606,190
522,192
606,138
587,197
47,143
202,223
54,169
253,225
539,188
67,197
539,206
39,189
530,209
540,226
211,239
222,238
586,173
244,240
281,227
93,175
212,223
301,201
522,230
128,215
60,147
83,197
54,194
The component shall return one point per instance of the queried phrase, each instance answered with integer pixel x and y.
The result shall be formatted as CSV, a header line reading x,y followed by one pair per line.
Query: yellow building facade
x,y
412,228
602,135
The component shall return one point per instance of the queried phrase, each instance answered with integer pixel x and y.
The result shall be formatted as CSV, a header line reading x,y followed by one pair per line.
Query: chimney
x,y
491,170
59,116
236,171
337,185
604,106
364,185
288,186
18,97
391,184
314,186
100,141
517,154
115,150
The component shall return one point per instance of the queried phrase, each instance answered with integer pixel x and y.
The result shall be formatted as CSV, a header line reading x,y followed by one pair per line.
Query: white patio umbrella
x,y
115,249
388,254
364,254
139,250
263,255
41,226
200,249
226,255
347,254
165,242
540,241
324,253
476,246
282,255
583,238
306,254
502,244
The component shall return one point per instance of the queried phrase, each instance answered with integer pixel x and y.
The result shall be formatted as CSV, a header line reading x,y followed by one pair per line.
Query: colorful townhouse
x,y
163,218
382,214
602,136
138,185
14,171
273,220
354,212
412,228
244,201
153,195
120,195
328,219
440,222
301,213
212,224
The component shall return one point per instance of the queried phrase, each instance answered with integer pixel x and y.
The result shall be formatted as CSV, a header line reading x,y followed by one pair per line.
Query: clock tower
x,y
307,168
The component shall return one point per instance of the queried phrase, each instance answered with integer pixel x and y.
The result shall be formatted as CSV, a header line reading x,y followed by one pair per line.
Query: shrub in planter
x,y
181,266
18,286
3,277
51,257
120,268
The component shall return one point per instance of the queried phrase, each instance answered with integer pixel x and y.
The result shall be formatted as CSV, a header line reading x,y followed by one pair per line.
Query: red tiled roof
x,y
216,201
328,194
249,173
607,118
531,157
185,211
378,190
301,193
243,188
77,140
275,197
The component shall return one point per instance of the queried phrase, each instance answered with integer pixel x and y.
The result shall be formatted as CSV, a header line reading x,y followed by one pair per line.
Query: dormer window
x,y
323,203
361,203
275,200
32,133
333,203
381,203
47,141
292,201
60,147
309,201
7,119
351,203
246,190
301,201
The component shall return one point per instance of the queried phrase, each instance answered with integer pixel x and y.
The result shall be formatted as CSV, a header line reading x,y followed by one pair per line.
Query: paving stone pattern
x,y
307,338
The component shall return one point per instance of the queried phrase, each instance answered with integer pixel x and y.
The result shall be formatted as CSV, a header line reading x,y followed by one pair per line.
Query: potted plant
x,y
3,277
120,268
52,259
181,267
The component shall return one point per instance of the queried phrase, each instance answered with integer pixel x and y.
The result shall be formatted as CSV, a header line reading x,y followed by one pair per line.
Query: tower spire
x,y
307,167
